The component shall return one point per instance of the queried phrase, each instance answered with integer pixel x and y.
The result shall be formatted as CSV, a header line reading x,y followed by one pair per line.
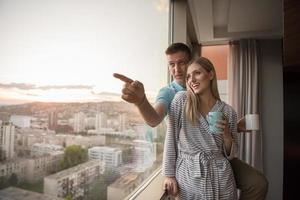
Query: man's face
x,y
177,63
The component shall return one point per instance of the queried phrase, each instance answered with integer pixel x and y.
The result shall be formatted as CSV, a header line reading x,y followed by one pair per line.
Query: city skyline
x,y
83,96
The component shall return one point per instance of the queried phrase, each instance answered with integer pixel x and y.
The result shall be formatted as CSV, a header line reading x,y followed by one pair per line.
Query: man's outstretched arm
x,y
134,92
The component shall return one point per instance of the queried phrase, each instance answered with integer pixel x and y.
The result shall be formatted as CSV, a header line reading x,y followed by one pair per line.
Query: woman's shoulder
x,y
178,103
228,108
180,96
179,99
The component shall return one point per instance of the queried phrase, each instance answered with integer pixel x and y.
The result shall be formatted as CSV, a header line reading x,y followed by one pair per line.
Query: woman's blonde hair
x,y
192,108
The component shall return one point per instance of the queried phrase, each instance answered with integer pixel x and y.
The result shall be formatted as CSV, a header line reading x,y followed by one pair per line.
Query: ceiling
x,y
223,20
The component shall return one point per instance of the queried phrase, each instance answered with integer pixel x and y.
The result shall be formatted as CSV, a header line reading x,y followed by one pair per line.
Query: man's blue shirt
x,y
166,94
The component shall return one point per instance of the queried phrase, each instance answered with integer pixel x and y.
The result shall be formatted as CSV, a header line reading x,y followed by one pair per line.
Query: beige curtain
x,y
243,82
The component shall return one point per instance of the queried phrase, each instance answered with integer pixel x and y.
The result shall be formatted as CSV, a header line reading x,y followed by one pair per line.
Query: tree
x,y
68,197
74,155
127,155
35,187
13,179
111,175
3,182
98,190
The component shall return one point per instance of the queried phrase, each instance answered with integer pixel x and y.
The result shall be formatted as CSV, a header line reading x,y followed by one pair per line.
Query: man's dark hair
x,y
177,47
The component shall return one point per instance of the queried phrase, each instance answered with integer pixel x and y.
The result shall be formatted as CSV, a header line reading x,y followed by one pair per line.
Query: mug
x,y
252,122
212,119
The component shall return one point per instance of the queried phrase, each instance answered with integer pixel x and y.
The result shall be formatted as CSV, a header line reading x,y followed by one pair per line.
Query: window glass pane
x,y
62,118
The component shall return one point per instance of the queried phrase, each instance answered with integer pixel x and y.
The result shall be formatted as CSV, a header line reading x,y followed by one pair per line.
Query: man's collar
x,y
177,86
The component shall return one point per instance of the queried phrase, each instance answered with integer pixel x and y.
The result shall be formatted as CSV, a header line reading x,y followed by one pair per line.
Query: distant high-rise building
x,y
90,122
79,122
52,120
101,121
21,121
122,121
7,139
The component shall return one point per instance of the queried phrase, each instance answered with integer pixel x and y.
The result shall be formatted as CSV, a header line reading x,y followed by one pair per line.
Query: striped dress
x,y
196,157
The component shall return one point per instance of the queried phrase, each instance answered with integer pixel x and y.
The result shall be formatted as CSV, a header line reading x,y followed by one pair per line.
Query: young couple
x,y
197,164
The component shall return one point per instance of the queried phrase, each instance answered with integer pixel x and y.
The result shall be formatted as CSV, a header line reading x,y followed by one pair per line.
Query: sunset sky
x,y
63,50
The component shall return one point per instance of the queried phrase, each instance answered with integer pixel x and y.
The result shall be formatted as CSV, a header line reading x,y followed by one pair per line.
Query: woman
x,y
195,159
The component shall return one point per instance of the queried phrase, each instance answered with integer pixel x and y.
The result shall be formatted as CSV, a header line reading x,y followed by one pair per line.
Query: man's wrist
x,y
142,101
228,139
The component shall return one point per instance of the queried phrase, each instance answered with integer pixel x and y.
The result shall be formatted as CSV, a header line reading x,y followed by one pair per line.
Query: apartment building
x,y
21,121
74,181
7,141
79,122
112,157
31,169
40,166
15,166
42,149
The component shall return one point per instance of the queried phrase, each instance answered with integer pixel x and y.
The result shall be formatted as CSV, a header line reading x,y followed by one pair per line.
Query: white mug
x,y
252,122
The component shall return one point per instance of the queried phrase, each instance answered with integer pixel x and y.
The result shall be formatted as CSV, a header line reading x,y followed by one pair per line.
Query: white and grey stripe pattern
x,y
196,157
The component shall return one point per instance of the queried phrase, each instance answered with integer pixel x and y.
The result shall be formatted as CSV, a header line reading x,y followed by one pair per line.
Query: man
x,y
252,183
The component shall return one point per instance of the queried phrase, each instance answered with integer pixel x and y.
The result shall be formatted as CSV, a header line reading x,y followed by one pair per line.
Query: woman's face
x,y
198,79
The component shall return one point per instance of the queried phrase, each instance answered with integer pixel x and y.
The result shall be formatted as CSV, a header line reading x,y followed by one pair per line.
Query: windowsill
x,y
151,188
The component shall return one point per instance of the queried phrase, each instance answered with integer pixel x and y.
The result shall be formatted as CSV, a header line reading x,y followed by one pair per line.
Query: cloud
x,y
49,87
33,95
21,86
15,93
105,94
25,86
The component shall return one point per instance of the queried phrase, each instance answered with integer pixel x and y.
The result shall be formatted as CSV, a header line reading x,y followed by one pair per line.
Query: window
x,y
57,91
218,55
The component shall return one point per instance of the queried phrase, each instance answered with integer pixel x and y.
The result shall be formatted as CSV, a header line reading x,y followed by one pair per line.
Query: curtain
x,y
243,83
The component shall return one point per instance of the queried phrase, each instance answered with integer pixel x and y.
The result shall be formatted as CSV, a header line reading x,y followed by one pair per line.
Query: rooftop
x,y
73,170
13,193
125,179
104,148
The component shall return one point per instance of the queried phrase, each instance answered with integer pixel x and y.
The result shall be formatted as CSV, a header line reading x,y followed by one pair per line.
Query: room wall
x,y
272,115
179,22
291,85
